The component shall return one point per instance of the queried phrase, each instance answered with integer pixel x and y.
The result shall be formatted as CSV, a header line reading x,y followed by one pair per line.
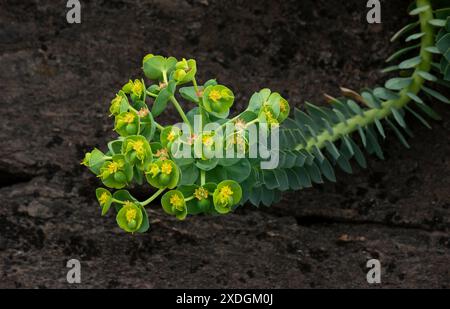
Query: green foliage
x,y
314,140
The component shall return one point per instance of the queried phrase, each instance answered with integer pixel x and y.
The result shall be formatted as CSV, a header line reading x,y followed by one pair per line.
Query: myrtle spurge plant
x,y
312,142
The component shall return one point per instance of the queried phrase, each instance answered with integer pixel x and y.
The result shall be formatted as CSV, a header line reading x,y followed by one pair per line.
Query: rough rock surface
x,y
56,83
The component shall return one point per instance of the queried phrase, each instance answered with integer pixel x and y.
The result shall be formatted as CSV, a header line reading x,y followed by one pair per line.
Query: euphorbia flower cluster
x,y
143,151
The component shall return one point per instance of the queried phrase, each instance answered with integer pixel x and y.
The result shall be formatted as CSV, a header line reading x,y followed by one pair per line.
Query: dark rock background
x,y
56,84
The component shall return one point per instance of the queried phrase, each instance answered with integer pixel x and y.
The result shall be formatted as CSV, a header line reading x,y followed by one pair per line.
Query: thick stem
x,y
368,117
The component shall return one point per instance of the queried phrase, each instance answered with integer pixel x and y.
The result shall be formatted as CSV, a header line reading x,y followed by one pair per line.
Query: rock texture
x,y
56,83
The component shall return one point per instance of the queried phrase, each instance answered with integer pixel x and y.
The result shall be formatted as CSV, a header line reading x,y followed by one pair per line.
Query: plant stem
x,y
151,94
194,81
202,177
189,199
180,111
158,126
200,103
118,202
133,109
252,122
368,117
153,197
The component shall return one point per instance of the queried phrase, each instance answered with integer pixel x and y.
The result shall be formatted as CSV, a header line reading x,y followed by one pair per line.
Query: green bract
x,y
227,194
104,198
116,173
137,151
123,199
119,104
158,67
312,140
185,71
94,160
127,123
174,204
206,144
272,108
130,217
135,89
218,100
163,174
169,135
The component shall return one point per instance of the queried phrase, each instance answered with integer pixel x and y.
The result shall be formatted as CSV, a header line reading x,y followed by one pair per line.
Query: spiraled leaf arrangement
x,y
312,142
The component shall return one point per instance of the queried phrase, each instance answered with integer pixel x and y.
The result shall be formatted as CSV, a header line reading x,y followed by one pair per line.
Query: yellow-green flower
x,y
138,88
129,118
207,140
154,170
166,168
138,147
224,194
215,95
163,174
201,193
227,194
116,173
115,105
137,151
269,116
113,167
103,199
173,203
130,217
177,202
130,214
218,100
127,123
171,137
